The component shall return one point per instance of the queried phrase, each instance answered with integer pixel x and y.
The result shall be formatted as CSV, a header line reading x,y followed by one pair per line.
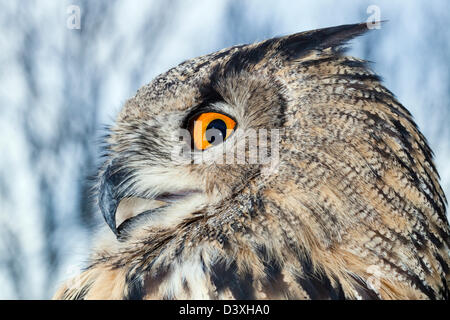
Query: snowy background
x,y
59,87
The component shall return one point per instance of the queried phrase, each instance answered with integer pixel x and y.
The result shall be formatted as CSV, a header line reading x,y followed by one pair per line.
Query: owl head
x,y
198,135
279,169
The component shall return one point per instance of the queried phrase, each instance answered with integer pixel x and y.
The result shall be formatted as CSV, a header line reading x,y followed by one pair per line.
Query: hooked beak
x,y
111,194
109,198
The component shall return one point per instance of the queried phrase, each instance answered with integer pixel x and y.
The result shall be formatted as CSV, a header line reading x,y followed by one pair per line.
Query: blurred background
x,y
62,82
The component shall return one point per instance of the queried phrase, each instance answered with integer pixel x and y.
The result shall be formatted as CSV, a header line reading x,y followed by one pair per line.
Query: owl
x,y
277,170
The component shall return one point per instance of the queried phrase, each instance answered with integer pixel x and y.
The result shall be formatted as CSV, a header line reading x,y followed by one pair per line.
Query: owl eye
x,y
211,128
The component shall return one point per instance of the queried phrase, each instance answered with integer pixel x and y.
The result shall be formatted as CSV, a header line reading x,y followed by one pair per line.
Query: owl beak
x,y
111,196
108,197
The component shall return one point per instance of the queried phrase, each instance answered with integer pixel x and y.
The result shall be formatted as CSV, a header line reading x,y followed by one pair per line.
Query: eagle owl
x,y
346,204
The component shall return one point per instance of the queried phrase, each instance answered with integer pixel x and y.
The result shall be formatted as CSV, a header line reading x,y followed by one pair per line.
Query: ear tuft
x,y
299,44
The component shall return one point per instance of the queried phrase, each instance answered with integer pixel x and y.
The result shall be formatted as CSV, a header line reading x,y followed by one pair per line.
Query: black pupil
x,y
219,133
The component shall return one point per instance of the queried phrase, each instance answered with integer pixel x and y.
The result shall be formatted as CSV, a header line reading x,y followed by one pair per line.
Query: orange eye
x,y
211,128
